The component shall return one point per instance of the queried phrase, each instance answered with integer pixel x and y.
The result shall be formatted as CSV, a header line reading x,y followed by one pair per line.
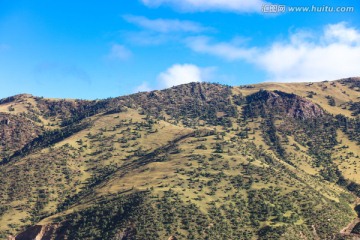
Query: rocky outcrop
x,y
126,234
39,232
277,102
15,133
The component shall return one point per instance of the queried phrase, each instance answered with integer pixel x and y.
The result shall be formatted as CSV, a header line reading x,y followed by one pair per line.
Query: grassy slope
x,y
111,153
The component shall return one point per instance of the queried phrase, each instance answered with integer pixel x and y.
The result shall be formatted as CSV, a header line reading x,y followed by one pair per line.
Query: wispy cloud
x,y
331,53
149,38
165,25
227,50
238,6
159,31
119,52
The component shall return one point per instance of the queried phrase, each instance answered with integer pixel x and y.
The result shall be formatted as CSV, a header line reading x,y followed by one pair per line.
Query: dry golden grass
x,y
350,164
162,176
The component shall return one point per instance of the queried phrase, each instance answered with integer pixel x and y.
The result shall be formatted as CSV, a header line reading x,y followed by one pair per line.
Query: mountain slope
x,y
196,161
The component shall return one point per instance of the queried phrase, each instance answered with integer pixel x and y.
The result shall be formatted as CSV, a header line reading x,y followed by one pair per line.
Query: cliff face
x,y
277,102
15,132
39,232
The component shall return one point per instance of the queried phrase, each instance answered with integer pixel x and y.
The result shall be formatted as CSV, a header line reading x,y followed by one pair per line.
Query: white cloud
x,y
332,54
210,5
165,25
184,73
119,52
340,33
180,74
144,87
305,56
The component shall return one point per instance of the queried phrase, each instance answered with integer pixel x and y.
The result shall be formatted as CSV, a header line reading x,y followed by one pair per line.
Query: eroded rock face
x,y
33,232
15,132
127,234
283,103
39,232
298,107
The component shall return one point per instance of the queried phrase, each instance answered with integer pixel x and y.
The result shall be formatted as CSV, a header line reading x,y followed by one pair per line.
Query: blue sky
x,y
99,49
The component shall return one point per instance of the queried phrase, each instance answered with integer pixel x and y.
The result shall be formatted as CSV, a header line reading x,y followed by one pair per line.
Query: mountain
x,y
195,161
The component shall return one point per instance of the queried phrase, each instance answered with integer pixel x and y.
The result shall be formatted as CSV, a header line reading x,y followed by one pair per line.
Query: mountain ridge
x,y
266,157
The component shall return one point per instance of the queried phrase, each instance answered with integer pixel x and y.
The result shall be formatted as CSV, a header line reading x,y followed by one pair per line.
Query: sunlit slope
x,y
197,161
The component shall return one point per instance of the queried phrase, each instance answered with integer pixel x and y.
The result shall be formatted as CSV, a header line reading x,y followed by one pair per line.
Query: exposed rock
x,y
283,103
15,132
38,232
127,234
